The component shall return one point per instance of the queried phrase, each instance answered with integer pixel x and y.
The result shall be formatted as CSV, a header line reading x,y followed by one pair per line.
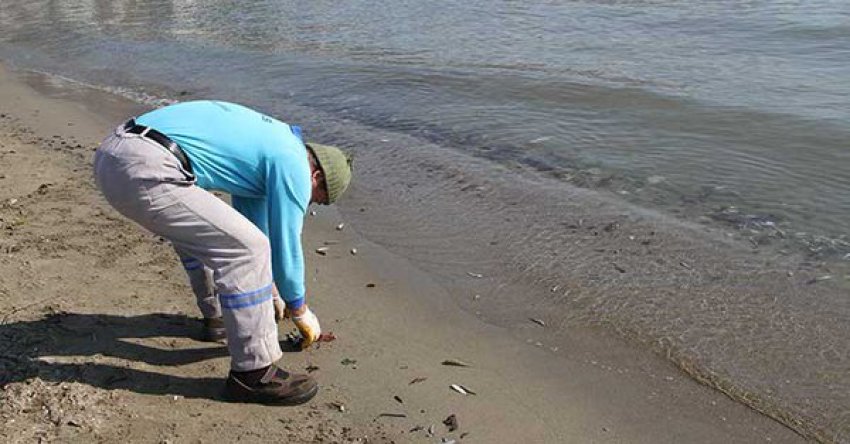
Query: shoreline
x,y
398,330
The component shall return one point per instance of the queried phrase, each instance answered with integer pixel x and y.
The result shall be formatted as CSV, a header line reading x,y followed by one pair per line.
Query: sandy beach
x,y
97,328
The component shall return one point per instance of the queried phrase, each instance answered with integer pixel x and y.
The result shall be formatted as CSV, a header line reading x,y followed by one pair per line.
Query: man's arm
x,y
286,210
288,274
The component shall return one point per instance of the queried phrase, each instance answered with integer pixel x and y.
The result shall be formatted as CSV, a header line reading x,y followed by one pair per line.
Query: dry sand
x,y
97,326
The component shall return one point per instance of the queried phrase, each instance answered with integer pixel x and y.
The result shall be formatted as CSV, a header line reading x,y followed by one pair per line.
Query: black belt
x,y
161,139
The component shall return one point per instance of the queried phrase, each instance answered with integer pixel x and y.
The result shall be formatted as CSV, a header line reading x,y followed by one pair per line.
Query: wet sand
x,y
97,326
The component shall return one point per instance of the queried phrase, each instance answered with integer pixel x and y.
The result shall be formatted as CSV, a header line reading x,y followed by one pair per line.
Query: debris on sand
x,y
451,422
353,251
337,405
322,250
417,380
818,279
456,363
538,321
326,337
611,226
686,265
475,275
340,227
348,361
311,368
461,389
370,285
392,415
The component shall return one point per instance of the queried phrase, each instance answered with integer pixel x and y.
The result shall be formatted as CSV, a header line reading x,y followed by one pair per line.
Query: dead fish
x,y
461,389
538,321
456,363
398,399
337,405
475,275
686,265
458,389
322,250
417,380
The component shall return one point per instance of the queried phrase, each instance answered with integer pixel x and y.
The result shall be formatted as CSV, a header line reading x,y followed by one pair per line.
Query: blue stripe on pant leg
x,y
252,301
247,293
247,299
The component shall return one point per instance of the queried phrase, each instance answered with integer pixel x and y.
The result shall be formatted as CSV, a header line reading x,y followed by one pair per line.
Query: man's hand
x,y
279,309
279,305
307,323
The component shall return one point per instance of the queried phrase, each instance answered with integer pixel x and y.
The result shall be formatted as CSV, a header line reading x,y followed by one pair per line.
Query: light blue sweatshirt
x,y
260,162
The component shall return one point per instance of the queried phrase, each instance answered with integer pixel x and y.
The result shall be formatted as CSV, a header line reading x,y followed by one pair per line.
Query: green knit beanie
x,y
336,167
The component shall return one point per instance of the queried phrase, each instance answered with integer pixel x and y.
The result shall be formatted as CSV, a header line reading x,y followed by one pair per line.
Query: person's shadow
x,y
41,349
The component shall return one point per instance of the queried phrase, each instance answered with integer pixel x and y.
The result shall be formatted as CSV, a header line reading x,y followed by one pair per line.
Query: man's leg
x,y
201,280
204,227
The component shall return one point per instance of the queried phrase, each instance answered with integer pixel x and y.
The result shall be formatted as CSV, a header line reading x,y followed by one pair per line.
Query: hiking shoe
x,y
213,330
276,387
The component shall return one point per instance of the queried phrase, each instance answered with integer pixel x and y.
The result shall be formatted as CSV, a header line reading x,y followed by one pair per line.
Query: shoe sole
x,y
268,400
214,336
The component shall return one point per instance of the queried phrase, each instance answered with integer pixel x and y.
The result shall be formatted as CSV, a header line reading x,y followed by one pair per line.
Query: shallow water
x,y
727,116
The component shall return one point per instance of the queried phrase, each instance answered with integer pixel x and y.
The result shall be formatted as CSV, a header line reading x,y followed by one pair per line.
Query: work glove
x,y
307,323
